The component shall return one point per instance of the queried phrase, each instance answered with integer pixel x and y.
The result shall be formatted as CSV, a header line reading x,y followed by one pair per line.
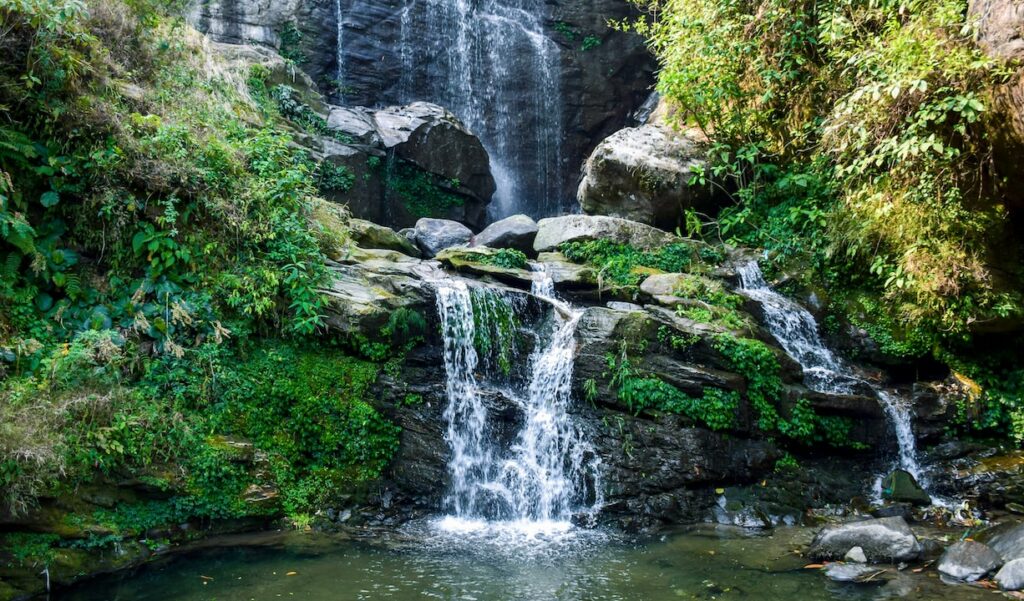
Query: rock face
x,y
571,228
369,235
968,561
643,174
881,539
435,235
517,231
391,166
1001,36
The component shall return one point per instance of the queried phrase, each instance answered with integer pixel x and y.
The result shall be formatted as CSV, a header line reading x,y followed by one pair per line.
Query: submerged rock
x,y
517,231
901,487
435,235
849,572
881,539
968,561
572,228
643,174
1011,576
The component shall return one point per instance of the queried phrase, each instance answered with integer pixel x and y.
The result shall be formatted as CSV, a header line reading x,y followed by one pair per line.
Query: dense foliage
x,y
857,137
160,267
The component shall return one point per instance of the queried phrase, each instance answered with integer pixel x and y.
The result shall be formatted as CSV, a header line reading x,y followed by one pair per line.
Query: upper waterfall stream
x,y
547,471
492,64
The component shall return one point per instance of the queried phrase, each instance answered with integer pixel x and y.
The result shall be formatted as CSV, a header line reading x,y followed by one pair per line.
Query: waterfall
x,y
796,331
549,470
492,64
542,286
465,414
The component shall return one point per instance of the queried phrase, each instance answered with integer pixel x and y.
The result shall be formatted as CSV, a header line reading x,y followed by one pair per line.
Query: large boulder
x,y
580,228
1005,539
435,140
1011,576
881,539
435,235
404,163
968,561
643,174
517,231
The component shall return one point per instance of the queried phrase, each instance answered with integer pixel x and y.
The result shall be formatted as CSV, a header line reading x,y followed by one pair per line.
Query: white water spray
x,y
550,471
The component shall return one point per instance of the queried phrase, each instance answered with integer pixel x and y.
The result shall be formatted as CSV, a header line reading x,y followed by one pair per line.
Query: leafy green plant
x,y
857,135
509,258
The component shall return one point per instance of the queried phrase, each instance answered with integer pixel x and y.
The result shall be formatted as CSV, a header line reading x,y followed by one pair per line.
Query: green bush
x,y
857,133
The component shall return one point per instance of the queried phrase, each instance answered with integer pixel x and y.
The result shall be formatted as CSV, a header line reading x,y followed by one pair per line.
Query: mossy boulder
x,y
367,234
901,487
492,262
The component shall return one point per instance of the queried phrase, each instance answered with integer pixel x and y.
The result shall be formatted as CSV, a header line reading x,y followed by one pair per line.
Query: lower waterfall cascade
x,y
796,331
548,472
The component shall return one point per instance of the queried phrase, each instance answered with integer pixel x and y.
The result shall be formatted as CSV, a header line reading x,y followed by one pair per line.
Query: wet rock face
x,y
881,539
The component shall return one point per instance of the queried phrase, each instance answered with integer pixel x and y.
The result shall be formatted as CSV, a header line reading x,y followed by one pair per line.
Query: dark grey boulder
x,y
517,231
1011,576
435,235
901,487
968,561
882,539
1005,539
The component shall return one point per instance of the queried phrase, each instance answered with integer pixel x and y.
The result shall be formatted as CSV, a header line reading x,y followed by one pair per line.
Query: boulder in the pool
x,y
1011,576
968,561
881,539
901,487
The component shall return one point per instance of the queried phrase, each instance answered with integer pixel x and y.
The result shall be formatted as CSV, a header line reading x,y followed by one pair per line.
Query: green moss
x,y
496,331
642,392
507,258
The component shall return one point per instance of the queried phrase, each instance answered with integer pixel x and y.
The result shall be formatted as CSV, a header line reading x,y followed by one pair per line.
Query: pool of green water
x,y
420,562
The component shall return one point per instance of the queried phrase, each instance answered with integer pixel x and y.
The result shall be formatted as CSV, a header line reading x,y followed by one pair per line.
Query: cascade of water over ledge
x,y
547,471
796,331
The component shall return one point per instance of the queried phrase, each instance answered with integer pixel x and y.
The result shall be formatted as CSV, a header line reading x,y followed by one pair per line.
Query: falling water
x,y
797,332
491,63
465,414
542,286
549,471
